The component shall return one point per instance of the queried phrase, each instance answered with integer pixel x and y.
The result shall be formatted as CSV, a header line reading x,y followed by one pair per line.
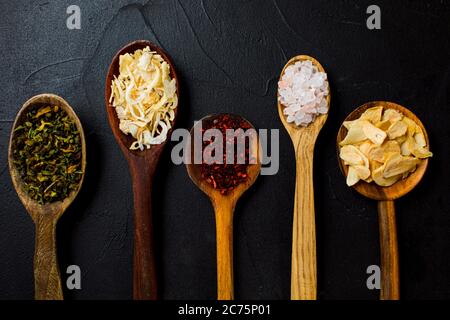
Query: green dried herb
x,y
47,154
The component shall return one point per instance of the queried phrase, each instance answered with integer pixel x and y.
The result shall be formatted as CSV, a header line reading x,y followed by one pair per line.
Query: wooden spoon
x,y
304,269
47,280
224,206
142,166
390,283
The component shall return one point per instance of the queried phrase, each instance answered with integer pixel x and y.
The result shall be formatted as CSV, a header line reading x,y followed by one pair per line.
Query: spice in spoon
x,y
303,91
382,146
226,176
47,154
144,95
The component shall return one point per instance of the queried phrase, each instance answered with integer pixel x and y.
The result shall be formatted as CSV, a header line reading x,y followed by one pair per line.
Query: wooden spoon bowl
x,y
304,269
142,166
195,173
400,188
45,217
390,286
224,205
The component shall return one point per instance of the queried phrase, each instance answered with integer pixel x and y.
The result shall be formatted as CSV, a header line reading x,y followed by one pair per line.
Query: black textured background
x,y
228,54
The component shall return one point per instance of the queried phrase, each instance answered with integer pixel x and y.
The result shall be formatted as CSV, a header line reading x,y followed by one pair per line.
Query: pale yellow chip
x,y
366,147
352,176
379,179
401,139
383,125
372,114
397,129
372,133
355,135
420,140
396,164
392,115
412,126
407,147
374,165
379,153
349,124
362,171
353,156
421,152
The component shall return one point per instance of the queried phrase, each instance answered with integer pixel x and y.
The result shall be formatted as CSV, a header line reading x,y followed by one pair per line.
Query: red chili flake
x,y
227,176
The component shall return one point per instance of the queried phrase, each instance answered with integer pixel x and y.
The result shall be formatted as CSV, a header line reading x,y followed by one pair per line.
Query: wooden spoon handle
x,y
47,280
303,277
390,283
224,241
144,273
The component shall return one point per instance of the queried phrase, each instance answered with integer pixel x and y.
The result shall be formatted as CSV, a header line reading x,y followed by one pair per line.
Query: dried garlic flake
x,y
382,147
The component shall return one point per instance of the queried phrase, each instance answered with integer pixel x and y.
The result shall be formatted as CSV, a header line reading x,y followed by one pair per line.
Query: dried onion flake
x,y
145,97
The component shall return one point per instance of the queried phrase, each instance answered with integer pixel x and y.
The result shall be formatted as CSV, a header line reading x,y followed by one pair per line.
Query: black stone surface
x,y
228,55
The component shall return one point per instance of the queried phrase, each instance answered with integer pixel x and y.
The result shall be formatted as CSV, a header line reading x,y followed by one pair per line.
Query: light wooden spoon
x,y
304,269
142,166
390,282
47,280
224,210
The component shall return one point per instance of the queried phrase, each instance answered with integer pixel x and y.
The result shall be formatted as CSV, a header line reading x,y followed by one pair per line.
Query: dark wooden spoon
x,y
224,209
390,282
47,279
142,166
